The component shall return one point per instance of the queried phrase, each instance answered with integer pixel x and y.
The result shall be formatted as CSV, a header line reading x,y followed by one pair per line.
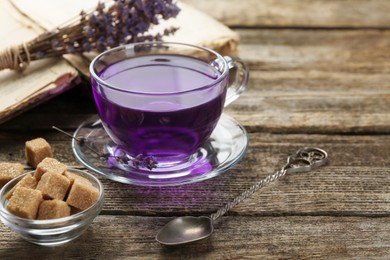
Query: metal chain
x,y
303,160
247,193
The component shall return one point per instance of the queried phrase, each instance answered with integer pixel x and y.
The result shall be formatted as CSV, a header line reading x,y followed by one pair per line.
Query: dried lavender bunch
x,y
111,23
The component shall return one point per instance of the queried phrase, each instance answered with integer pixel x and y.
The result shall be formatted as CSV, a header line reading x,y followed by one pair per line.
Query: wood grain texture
x,y
315,81
118,237
323,87
298,13
356,182
301,81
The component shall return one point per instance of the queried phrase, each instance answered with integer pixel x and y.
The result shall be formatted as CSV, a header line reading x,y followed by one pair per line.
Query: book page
x,y
40,81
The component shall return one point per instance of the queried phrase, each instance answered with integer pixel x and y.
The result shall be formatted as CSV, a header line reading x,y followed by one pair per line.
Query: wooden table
x,y
319,77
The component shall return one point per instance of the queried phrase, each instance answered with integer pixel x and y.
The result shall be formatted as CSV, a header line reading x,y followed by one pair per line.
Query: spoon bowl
x,y
185,230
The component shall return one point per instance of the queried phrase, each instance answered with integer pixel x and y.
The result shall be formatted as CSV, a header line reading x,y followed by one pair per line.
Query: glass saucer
x,y
225,147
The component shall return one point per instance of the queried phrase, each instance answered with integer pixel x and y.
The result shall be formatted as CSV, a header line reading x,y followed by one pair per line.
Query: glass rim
x,y
102,82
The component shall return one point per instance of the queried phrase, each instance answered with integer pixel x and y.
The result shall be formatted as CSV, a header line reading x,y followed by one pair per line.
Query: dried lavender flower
x,y
140,161
144,161
110,24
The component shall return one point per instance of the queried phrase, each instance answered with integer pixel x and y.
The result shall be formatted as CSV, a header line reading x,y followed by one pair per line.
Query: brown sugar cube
x,y
74,210
72,177
49,164
25,202
53,185
82,196
50,209
8,171
27,181
37,150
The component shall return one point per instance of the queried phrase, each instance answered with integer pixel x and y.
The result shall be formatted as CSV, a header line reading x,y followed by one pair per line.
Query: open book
x,y
23,20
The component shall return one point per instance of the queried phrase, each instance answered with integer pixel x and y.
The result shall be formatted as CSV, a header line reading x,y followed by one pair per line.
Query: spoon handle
x,y
303,160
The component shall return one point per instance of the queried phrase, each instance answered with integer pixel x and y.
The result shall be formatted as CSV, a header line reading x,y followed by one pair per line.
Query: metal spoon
x,y
189,229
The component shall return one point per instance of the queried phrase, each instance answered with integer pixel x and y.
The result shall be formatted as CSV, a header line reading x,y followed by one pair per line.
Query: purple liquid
x,y
169,126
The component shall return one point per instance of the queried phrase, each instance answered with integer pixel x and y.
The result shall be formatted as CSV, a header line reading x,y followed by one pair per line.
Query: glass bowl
x,y
51,232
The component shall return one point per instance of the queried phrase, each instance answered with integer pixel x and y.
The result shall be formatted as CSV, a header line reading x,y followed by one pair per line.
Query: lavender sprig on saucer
x,y
140,161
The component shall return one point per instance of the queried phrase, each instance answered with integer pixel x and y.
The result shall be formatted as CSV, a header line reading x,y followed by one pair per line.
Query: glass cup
x,y
162,100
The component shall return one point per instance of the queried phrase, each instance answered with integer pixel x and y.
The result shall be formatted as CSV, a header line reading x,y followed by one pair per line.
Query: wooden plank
x,y
235,237
298,13
302,81
354,51
353,170
356,182
336,191
345,150
320,81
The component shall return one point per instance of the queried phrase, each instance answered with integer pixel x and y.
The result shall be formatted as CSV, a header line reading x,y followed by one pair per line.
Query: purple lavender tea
x,y
160,105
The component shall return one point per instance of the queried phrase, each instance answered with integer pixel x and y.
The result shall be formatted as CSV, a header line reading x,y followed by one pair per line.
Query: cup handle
x,y
240,80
